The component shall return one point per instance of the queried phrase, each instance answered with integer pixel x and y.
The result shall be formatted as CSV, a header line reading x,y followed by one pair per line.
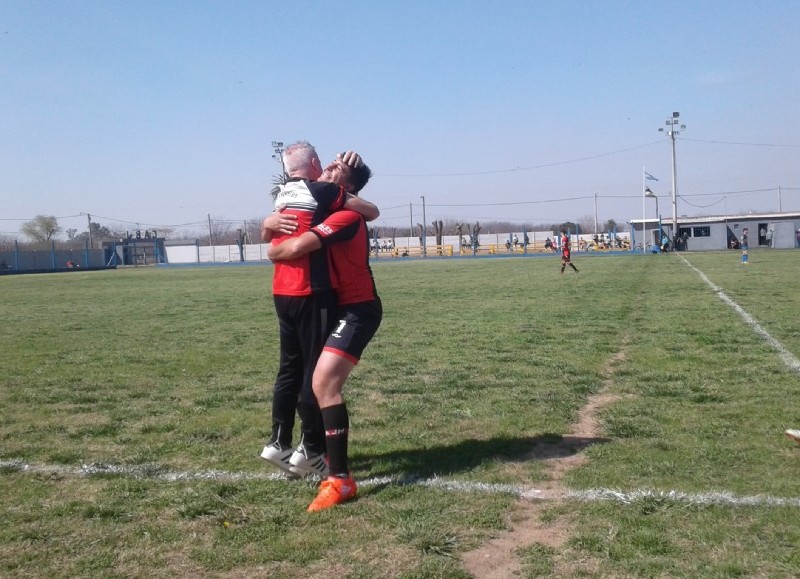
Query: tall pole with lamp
x,y
277,148
674,128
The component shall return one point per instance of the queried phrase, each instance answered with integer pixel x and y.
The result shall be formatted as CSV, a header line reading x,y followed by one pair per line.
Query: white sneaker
x,y
794,435
278,456
304,464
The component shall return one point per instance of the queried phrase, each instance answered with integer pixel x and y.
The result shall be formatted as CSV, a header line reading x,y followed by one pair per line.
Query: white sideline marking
x,y
713,498
788,358
155,472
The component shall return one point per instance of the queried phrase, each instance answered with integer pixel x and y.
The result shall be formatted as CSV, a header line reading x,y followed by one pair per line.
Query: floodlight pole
x,y
277,147
674,187
674,129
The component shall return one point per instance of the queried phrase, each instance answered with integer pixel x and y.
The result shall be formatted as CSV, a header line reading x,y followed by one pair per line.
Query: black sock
x,y
337,425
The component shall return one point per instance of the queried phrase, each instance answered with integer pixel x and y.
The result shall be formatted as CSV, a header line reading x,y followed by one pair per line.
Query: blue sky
x,y
159,113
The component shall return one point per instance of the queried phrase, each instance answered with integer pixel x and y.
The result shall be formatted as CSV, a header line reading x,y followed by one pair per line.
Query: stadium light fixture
x,y
675,128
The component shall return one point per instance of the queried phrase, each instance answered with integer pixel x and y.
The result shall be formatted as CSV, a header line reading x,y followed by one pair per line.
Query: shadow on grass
x,y
468,455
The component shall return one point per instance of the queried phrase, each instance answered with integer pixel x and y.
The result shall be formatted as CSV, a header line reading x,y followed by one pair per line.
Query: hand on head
x,y
348,171
350,158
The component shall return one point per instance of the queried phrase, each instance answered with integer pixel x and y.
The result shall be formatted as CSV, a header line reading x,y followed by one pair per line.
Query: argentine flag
x,y
649,177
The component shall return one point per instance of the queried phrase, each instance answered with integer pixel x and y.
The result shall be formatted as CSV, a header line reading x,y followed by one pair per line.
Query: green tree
x,y
41,228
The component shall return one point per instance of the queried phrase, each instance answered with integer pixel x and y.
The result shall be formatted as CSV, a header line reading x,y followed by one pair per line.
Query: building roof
x,y
722,218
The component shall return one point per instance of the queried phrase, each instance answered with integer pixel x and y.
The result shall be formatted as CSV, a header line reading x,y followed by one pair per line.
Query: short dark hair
x,y
359,176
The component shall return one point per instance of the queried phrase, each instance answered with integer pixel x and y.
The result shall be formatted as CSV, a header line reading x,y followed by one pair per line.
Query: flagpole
x,y
644,214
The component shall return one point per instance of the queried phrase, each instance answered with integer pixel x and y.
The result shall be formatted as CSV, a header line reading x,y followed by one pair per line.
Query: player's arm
x,y
359,205
339,226
294,247
278,223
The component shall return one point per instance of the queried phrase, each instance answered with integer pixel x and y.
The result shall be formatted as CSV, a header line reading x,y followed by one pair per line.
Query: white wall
x,y
215,253
258,252
181,253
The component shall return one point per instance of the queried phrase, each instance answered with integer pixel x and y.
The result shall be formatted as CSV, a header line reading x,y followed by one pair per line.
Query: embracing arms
x,y
294,247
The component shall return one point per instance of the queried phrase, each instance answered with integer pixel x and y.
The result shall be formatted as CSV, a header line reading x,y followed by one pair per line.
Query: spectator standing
x,y
744,245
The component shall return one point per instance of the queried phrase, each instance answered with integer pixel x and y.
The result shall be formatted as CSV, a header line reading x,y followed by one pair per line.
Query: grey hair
x,y
298,156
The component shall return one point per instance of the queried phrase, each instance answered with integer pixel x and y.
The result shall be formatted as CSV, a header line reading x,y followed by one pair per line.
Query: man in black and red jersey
x,y
359,315
565,252
304,300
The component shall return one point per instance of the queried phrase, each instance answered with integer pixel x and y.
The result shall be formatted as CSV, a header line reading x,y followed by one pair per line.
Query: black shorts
x,y
355,326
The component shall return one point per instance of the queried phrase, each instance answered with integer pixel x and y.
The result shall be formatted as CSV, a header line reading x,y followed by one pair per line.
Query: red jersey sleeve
x,y
339,226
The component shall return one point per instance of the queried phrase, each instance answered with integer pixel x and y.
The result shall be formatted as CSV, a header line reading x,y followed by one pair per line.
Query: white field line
x,y
155,472
712,498
788,358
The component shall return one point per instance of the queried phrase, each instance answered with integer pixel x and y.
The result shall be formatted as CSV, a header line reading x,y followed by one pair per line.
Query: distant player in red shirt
x,y
565,252
359,316
305,305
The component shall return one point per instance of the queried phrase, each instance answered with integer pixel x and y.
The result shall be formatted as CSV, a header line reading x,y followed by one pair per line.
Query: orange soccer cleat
x,y
333,491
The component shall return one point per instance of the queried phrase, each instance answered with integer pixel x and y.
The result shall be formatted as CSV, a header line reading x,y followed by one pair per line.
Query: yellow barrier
x,y
432,251
536,247
491,249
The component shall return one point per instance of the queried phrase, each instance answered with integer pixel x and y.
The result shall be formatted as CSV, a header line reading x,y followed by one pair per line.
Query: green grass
x,y
476,361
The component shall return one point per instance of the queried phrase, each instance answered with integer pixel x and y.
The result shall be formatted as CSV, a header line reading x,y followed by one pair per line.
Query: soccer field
x,y
624,421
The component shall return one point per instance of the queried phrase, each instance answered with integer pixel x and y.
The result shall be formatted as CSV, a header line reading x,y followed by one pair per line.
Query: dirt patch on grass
x,y
529,520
